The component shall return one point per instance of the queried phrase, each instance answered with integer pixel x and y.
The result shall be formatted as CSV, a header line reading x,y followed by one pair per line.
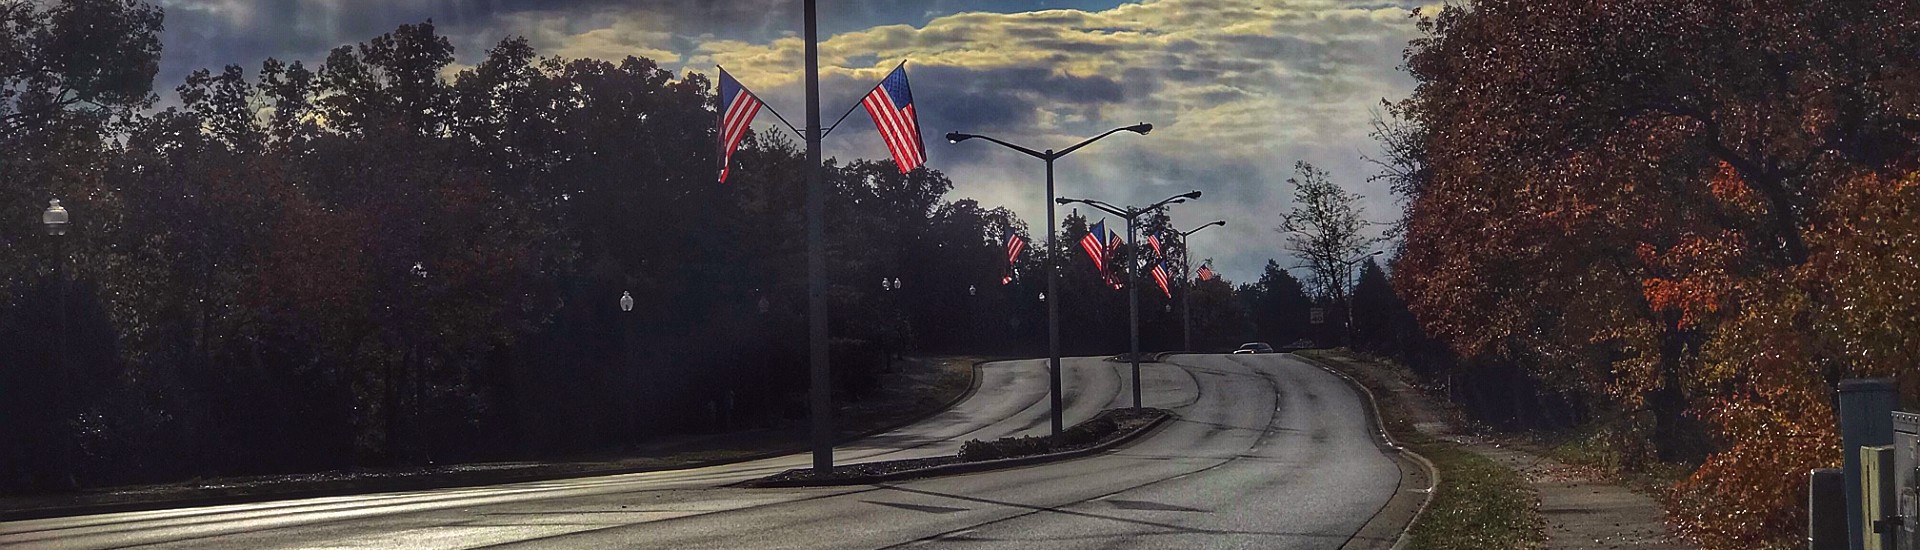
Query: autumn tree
x,y
1648,202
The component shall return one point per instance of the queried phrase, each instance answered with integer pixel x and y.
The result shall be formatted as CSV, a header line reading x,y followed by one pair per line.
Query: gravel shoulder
x,y
1578,507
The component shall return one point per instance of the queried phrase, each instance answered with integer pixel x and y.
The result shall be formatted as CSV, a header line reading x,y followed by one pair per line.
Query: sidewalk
x,y
1581,508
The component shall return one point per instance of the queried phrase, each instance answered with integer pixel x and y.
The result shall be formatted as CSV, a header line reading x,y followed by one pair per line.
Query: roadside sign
x,y
1317,315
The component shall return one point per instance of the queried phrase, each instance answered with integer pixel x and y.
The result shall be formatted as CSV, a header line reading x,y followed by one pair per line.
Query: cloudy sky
x,y
1237,90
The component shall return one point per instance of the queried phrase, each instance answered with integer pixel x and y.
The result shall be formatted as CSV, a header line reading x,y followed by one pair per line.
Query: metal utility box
x,y
1906,477
1879,512
1866,420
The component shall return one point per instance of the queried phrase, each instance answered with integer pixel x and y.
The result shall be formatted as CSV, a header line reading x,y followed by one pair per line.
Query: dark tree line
x,y
364,263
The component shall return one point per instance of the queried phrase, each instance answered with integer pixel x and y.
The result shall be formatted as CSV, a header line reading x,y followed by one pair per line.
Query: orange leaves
x,y
1693,297
1747,493
1691,277
1728,186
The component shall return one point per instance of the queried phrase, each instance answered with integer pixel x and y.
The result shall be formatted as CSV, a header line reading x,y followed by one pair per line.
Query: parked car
x,y
1254,347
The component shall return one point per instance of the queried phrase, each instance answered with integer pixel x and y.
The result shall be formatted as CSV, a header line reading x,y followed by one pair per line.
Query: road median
x,y
1107,430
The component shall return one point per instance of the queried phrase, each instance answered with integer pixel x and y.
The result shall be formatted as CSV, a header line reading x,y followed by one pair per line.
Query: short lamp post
x,y
626,363
56,221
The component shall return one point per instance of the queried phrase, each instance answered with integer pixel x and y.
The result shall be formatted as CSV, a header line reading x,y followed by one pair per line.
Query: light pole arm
x,y
1108,208
1357,260
1077,146
1029,152
1221,223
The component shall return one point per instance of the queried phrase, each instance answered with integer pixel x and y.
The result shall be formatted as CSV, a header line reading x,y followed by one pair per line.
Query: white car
x,y
1254,347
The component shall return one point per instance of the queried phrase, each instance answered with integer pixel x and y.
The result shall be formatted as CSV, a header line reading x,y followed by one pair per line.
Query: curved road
x,y
1265,452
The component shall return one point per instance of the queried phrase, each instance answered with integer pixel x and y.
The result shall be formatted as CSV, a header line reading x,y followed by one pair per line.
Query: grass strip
x,y
1479,505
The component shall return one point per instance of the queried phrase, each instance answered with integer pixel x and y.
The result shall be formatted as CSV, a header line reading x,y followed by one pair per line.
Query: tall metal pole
x,y
1186,297
1349,300
1133,303
816,262
1053,306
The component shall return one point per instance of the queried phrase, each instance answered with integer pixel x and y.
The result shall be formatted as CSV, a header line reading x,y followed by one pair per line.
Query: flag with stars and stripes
x,y
738,106
1015,244
1095,243
890,104
1160,276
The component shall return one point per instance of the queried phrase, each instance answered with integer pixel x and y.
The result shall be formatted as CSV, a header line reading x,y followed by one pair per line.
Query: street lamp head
x,y
1221,223
1377,253
957,137
1141,128
1064,200
1192,195
55,218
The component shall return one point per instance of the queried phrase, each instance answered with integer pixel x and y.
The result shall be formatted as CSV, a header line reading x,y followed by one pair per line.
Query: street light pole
x,y
1053,310
822,395
1133,307
1349,293
1186,298
1053,253
1133,270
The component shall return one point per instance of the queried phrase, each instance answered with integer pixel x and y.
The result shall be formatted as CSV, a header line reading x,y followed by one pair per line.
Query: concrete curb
x,y
973,467
1389,444
1145,357
430,482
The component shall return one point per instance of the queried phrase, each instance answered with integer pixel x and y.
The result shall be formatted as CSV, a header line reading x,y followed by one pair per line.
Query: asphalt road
x,y
1266,452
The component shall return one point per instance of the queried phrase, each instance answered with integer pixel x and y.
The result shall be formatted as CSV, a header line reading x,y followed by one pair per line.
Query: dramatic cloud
x,y
1237,89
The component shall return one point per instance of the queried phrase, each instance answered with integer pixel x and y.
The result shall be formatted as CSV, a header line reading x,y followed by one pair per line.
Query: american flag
x,y
1154,240
1205,273
891,106
1114,280
1096,246
737,109
1014,245
1160,276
